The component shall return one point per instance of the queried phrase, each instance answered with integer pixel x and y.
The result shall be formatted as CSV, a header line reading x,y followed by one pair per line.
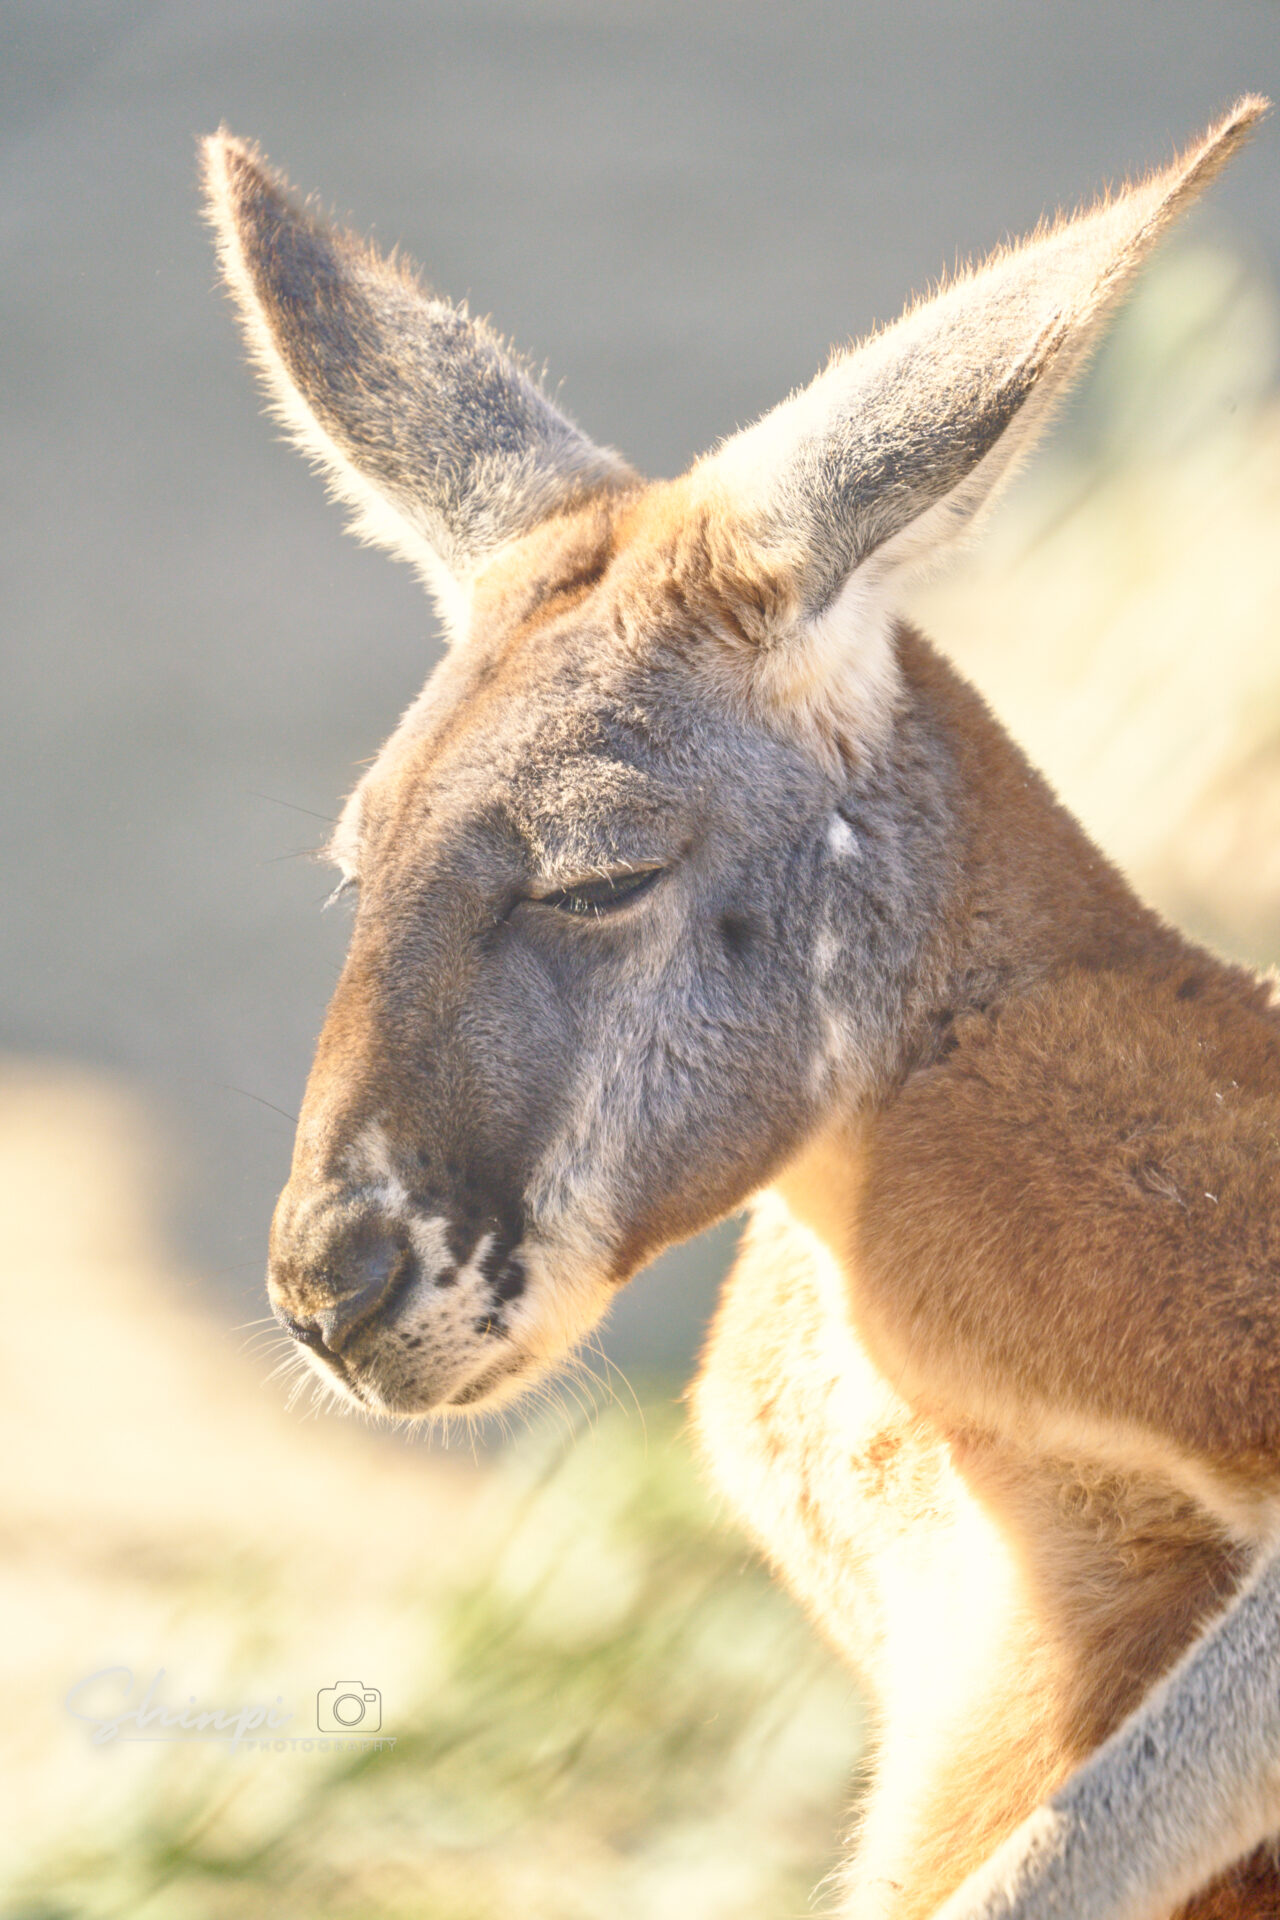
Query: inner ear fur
x,y
888,456
422,419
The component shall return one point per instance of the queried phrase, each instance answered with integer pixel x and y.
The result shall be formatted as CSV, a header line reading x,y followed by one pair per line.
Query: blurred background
x,y
599,1703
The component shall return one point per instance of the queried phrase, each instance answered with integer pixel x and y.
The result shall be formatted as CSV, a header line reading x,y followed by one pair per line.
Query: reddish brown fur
x,y
1032,1257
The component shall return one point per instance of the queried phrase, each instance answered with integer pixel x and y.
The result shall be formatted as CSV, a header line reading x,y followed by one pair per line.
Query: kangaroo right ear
x,y
424,422
891,452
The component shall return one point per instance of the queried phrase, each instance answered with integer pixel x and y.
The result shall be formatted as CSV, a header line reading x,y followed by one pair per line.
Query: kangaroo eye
x,y
597,897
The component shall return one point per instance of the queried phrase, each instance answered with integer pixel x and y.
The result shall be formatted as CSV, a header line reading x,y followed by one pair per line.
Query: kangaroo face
x,y
654,873
582,890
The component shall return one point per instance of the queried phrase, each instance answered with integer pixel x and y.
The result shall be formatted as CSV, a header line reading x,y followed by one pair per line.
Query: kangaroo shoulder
x,y
1106,1088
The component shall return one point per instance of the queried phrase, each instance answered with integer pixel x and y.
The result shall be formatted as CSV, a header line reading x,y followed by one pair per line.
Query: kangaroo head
x,y
655,875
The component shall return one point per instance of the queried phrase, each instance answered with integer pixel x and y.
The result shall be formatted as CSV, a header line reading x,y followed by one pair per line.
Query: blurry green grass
x,y
614,1711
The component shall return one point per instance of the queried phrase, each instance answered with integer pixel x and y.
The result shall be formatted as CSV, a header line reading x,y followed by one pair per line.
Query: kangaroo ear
x,y
438,436
891,452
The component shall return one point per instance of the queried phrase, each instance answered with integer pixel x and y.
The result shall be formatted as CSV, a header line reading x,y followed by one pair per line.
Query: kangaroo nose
x,y
323,1299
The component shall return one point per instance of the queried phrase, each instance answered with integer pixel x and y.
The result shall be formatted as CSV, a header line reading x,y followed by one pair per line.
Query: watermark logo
x,y
113,1709
112,1689
346,1706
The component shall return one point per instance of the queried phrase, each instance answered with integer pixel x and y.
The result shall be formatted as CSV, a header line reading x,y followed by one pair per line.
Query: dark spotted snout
x,y
405,1298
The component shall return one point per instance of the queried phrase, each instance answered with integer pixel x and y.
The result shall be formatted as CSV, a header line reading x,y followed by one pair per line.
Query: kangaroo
x,y
694,878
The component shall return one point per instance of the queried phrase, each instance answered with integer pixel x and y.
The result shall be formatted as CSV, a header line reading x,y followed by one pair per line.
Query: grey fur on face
x,y
611,1083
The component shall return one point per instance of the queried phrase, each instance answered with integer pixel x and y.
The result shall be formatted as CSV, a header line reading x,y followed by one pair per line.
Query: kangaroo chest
x,y
999,1636
858,1504
852,1496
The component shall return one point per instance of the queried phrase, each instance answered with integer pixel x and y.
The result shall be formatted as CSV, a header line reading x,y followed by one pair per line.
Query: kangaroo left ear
x,y
885,460
424,422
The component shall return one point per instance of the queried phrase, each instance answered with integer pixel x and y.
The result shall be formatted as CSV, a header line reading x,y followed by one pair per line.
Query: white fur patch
x,y
839,1055
842,841
369,1158
430,1239
344,842
835,678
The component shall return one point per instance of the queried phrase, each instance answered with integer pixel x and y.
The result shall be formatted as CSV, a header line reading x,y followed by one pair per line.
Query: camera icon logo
x,y
348,1707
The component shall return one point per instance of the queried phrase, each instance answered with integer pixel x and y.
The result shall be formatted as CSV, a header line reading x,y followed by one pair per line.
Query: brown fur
x,y
1062,1229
